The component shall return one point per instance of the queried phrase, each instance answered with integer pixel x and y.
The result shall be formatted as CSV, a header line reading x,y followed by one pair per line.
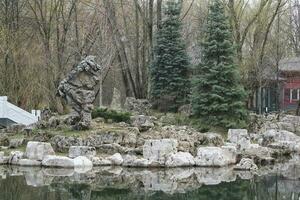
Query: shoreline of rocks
x,y
239,152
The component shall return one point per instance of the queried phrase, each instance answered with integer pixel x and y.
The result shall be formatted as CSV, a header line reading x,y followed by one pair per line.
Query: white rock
x,y
82,164
246,164
180,159
240,137
3,159
75,151
215,156
15,157
157,150
58,161
82,161
28,162
116,159
38,150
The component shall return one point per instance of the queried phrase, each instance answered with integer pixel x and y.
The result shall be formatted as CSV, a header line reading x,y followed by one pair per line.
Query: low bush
x,y
115,116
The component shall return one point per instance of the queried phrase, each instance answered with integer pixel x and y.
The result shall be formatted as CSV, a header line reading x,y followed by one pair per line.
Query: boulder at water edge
x,y
58,161
215,156
38,150
180,159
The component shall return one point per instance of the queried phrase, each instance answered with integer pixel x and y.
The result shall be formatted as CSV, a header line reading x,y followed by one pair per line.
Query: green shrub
x,y
116,116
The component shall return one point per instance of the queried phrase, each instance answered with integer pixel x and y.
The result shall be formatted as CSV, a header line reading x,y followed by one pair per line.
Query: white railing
x,y
16,114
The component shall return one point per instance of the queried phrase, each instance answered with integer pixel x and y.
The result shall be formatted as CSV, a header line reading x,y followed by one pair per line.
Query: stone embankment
x,y
238,150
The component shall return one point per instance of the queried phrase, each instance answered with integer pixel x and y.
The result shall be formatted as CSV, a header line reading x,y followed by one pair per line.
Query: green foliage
x,y
218,97
169,70
116,116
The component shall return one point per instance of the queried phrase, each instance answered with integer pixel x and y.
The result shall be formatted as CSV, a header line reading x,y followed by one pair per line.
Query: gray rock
x,y
87,151
157,150
15,128
138,106
15,143
58,161
180,159
38,150
239,137
78,90
142,122
246,164
215,156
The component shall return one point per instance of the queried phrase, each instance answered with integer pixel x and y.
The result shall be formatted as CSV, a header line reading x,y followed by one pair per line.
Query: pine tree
x,y
218,97
169,70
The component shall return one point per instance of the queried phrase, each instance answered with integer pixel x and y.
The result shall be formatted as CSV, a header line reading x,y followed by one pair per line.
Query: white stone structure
x,y
15,114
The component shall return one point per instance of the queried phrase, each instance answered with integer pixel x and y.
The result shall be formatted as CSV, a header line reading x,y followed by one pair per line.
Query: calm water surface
x,y
17,183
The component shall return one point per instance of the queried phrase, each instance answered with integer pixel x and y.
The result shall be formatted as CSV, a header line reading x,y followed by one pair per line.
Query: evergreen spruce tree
x,y
169,71
218,97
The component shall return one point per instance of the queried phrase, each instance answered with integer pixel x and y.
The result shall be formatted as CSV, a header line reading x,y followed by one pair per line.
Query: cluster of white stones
x,y
157,153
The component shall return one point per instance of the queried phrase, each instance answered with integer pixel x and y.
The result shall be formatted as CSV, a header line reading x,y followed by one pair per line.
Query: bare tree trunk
x,y
159,13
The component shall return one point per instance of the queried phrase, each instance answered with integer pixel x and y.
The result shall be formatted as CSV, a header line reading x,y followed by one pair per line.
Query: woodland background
x,y
40,41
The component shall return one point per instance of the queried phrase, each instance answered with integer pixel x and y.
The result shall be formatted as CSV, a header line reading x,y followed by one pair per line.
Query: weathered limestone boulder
x,y
38,150
28,162
239,137
138,106
58,161
87,151
133,161
116,159
15,157
246,164
188,138
260,155
82,162
142,122
61,143
281,139
78,90
180,159
216,156
16,142
98,161
273,135
158,150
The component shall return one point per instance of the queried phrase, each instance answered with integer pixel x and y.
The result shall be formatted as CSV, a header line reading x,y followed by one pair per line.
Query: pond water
x,y
18,183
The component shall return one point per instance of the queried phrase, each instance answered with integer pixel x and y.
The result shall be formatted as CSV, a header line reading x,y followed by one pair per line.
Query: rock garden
x,y
138,139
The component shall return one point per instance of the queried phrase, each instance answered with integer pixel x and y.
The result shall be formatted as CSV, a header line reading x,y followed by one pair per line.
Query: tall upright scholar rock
x,y
78,90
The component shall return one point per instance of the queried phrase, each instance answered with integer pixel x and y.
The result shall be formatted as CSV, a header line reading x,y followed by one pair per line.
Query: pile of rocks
x,y
42,154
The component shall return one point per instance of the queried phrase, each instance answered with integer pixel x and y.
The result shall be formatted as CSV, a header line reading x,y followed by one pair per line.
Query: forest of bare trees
x,y
41,40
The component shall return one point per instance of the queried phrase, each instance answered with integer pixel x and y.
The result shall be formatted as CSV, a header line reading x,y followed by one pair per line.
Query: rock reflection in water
x,y
128,183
